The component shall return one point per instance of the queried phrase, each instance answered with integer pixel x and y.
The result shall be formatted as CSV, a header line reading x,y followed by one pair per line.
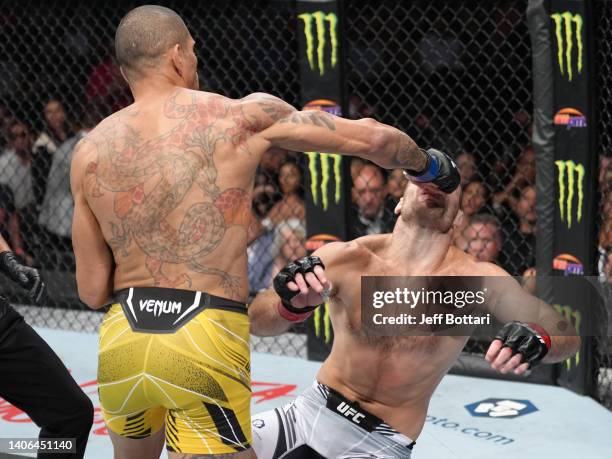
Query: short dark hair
x,y
487,219
145,33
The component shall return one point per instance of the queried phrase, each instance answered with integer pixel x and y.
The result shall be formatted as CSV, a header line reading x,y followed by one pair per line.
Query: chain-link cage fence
x,y
58,76
456,76
603,49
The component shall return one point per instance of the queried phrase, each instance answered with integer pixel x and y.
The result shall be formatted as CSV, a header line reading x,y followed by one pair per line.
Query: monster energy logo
x,y
325,159
320,20
322,315
564,31
573,174
573,317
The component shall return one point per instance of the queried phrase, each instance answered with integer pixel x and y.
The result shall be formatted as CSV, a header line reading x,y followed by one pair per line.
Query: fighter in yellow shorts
x,y
162,218
196,378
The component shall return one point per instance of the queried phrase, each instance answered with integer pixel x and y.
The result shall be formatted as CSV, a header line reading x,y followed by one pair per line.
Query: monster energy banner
x,y
575,172
319,28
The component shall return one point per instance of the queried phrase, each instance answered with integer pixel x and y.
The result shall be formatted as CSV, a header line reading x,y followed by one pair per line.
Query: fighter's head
x,y
153,39
424,205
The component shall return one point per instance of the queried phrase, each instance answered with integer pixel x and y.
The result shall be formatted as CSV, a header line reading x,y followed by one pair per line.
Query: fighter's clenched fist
x,y
518,347
302,287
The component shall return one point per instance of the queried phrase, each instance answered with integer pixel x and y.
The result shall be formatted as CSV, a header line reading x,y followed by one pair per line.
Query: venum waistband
x,y
165,310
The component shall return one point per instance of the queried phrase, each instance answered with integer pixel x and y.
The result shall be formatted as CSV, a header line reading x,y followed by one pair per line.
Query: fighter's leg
x,y
145,448
277,434
36,381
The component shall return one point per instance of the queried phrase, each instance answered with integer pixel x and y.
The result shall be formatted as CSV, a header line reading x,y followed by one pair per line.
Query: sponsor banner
x,y
327,181
319,28
500,408
568,265
575,174
474,432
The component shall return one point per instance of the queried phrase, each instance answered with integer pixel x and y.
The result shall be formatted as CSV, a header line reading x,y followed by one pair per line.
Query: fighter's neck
x,y
425,248
151,88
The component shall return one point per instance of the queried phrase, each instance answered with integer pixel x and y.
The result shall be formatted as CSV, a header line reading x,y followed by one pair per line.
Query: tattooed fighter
x,y
162,205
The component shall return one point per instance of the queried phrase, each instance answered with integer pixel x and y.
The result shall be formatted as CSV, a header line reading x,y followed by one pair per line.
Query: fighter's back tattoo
x,y
152,181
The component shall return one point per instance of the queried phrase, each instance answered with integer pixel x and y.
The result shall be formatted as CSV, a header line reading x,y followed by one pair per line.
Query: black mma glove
x,y
26,277
287,274
529,340
440,170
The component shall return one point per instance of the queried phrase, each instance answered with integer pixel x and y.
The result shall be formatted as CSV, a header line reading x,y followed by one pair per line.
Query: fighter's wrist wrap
x,y
287,274
429,172
528,339
440,170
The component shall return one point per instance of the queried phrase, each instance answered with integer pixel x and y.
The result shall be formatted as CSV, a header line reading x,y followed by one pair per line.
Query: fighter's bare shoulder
x,y
465,264
266,107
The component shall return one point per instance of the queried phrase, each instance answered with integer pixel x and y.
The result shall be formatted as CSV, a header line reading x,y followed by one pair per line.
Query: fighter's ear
x,y
176,56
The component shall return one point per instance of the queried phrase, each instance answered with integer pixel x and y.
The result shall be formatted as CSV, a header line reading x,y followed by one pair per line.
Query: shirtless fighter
x,y
162,194
385,383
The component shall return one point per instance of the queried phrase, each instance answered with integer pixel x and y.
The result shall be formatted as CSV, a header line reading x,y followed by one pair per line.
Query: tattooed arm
x,y
313,130
94,261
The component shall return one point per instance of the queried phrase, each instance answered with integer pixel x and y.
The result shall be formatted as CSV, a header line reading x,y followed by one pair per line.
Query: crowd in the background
x,y
35,201
497,222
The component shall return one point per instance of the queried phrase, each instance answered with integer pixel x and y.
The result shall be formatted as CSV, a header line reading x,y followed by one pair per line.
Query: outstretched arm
x,y
315,130
512,303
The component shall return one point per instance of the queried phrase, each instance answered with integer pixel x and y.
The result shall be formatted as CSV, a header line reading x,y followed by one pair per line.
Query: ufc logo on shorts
x,y
350,413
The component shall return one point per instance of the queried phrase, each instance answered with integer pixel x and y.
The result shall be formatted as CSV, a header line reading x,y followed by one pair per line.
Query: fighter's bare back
x,y
170,183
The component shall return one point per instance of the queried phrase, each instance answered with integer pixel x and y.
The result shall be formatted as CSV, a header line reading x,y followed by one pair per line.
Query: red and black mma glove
x,y
440,170
287,274
528,339
26,277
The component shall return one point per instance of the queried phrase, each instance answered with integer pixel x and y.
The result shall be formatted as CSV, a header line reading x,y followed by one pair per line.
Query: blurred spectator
x,y
466,162
356,166
291,204
474,198
359,109
16,163
270,164
473,201
260,252
57,208
519,234
15,174
605,247
483,237
525,168
290,240
54,132
396,184
368,195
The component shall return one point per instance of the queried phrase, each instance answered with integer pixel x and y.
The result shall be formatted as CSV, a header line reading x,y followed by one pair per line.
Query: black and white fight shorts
x,y
322,423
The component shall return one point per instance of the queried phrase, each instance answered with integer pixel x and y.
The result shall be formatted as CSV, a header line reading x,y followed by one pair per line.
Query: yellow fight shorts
x,y
181,359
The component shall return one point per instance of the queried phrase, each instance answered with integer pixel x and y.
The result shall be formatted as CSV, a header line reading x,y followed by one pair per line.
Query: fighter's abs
x,y
169,199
